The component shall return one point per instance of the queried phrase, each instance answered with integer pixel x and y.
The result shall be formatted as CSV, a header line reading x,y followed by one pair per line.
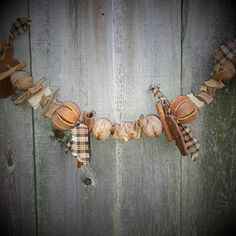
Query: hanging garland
x,y
172,117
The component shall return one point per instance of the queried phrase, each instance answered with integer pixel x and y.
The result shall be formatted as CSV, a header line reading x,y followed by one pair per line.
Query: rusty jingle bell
x,y
66,116
184,110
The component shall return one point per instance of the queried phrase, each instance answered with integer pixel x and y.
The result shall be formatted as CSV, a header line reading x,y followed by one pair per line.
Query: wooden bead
x,y
66,116
184,110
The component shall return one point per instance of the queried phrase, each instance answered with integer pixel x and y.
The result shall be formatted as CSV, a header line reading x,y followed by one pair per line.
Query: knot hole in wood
x,y
10,161
87,181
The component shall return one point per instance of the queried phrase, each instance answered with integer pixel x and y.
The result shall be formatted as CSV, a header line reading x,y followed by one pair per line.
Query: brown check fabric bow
x,y
225,52
80,146
19,26
192,143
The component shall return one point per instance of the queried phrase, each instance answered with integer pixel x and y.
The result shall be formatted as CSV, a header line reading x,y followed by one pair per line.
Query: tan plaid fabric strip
x,y
18,27
192,143
80,147
225,52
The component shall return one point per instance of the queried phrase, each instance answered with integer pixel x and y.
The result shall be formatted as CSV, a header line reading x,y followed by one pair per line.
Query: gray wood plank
x,y
17,195
72,46
208,205
146,50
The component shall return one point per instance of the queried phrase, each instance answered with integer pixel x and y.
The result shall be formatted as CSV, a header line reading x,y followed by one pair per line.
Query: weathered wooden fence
x,y
103,54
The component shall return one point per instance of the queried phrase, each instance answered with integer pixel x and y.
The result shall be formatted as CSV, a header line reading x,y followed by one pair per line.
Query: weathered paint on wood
x,y
103,55
17,185
146,50
80,63
209,196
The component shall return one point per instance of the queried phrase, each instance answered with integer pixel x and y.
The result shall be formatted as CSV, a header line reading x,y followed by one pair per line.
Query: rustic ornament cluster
x,y
75,130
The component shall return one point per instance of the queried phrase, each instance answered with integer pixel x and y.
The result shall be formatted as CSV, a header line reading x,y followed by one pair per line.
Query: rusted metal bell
x,y
184,110
66,116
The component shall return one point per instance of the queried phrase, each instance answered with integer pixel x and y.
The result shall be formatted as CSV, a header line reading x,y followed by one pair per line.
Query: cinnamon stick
x,y
161,113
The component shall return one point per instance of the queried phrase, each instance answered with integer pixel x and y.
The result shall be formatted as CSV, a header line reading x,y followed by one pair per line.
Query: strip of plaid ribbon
x,y
19,26
191,142
80,147
225,52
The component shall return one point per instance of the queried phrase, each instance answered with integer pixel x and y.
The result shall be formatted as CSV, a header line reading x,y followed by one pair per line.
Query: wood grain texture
x,y
146,50
208,203
102,47
17,189
103,55
72,46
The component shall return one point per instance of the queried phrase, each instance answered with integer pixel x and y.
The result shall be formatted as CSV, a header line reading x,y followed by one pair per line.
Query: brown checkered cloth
x,y
225,52
192,144
19,26
80,146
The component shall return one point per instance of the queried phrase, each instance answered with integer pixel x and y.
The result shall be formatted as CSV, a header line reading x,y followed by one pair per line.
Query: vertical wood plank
x,y
146,50
115,49
72,46
209,186
17,194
